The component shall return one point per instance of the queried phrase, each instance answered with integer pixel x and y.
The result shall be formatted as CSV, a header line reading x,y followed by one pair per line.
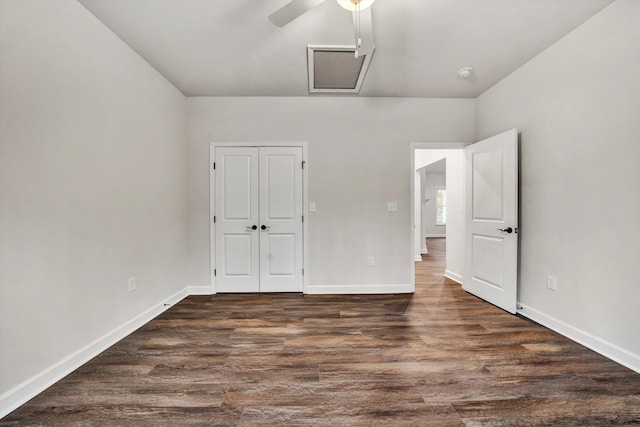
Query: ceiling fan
x,y
362,22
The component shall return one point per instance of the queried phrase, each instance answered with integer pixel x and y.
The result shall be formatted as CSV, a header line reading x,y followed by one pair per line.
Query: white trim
x,y
302,144
418,258
212,212
305,204
453,276
305,225
428,236
20,394
361,75
200,290
438,146
412,213
603,347
361,289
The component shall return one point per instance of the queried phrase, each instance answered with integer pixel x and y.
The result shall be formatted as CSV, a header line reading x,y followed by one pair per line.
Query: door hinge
x,y
303,271
303,218
214,165
214,219
215,272
303,163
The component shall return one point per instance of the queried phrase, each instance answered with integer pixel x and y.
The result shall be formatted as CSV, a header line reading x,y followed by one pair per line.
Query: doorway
x,y
432,220
257,233
448,159
487,204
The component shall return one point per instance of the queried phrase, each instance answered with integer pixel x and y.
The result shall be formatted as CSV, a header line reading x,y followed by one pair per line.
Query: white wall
x,y
577,107
359,159
419,247
432,182
92,188
455,205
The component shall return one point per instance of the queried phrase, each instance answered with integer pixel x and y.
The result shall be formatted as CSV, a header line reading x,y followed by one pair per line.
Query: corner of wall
x,y
31,387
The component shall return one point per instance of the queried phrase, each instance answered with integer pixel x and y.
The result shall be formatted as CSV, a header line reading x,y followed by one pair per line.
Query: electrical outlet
x,y
132,284
312,206
552,283
392,206
371,261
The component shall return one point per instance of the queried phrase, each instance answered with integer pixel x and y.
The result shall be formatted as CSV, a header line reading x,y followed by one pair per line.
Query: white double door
x,y
259,219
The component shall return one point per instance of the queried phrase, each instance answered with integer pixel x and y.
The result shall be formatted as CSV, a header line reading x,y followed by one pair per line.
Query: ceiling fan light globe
x,y
353,5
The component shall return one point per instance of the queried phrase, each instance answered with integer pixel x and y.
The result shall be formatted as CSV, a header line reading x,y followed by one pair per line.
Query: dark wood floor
x,y
440,357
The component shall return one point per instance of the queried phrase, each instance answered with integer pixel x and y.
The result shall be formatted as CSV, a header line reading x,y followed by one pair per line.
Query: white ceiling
x,y
229,48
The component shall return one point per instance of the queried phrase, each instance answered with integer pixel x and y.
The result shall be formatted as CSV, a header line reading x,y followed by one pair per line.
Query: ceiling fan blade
x,y
292,10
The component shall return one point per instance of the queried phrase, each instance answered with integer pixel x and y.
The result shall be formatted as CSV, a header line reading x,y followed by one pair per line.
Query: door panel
x,y
488,260
282,251
240,264
279,190
281,215
237,244
487,185
491,205
237,174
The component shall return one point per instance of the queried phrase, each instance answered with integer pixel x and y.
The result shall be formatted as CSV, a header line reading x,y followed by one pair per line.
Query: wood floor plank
x,y
439,357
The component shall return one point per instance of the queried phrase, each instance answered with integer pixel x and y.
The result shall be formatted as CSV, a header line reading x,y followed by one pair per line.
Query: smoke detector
x,y
465,72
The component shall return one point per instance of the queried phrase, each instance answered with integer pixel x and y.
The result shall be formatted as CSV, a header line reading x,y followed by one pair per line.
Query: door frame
x,y
412,189
212,204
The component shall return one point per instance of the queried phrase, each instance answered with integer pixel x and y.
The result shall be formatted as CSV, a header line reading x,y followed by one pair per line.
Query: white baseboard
x,y
200,290
361,289
453,276
435,235
605,348
20,394
418,258
23,392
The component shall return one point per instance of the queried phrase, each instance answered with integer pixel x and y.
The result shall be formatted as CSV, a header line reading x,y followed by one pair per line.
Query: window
x,y
441,206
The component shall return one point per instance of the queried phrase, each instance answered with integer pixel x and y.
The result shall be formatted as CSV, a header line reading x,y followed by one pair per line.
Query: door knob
x,y
252,228
507,230
264,227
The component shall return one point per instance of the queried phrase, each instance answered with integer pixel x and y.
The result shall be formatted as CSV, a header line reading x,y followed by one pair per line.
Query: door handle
x,y
251,228
265,227
507,230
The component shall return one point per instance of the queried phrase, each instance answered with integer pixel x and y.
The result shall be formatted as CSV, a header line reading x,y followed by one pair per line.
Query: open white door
x,y
491,210
236,227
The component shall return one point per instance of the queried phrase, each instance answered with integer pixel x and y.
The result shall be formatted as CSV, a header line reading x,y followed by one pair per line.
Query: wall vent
x,y
334,69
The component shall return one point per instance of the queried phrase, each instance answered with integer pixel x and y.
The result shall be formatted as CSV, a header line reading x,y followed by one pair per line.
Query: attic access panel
x,y
334,69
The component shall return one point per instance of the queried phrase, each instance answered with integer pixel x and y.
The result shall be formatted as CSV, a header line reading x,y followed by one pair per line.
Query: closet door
x,y
237,212
281,229
258,225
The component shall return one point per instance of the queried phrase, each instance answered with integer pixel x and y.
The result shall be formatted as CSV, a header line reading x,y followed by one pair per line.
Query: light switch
x,y
392,206
312,206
